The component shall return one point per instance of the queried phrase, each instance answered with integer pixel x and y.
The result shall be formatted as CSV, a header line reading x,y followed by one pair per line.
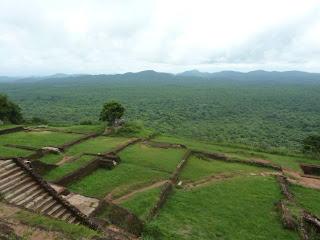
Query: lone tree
x,y
111,111
10,111
311,144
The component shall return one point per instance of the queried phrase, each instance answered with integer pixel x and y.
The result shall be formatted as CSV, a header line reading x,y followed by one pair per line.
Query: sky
x,y
44,37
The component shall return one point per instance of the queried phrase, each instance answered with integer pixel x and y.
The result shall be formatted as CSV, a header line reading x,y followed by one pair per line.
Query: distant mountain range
x,y
150,75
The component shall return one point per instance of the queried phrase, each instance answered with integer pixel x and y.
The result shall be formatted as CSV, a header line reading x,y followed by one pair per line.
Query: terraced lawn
x,y
141,203
99,144
121,180
197,169
241,208
308,199
66,168
158,158
37,139
287,161
51,158
13,152
6,126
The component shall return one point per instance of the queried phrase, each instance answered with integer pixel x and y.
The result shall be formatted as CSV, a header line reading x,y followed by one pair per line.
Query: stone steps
x,y
18,188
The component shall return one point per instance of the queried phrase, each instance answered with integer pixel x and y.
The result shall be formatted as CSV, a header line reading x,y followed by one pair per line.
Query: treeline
x,y
264,114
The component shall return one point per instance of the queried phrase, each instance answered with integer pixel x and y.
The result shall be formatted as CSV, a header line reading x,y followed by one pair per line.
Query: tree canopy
x,y
111,111
311,144
9,110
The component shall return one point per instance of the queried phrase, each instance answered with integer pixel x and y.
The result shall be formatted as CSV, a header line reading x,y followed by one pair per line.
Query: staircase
x,y
20,189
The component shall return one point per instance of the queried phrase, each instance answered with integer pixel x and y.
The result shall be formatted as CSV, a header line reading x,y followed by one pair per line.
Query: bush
x,y
311,144
86,122
39,120
9,110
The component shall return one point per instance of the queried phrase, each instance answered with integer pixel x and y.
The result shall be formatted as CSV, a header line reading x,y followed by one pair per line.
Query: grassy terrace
x,y
51,158
157,158
121,180
13,152
307,198
82,128
141,203
232,152
96,145
241,208
37,139
6,126
66,168
197,169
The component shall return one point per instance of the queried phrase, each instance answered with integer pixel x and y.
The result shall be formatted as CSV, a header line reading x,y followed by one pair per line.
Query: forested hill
x,y
259,75
150,75
264,113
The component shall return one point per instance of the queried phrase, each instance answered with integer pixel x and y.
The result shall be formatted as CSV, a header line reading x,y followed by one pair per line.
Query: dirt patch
x,y
303,181
260,160
138,191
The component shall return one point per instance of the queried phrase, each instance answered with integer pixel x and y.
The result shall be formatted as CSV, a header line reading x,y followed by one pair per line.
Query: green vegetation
x,y
51,158
121,180
99,144
239,208
157,158
307,198
197,169
265,114
141,203
311,144
131,129
67,230
291,162
37,139
6,126
66,168
111,111
96,128
10,111
13,152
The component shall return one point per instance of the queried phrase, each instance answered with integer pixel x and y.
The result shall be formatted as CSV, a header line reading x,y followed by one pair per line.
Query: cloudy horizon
x,y
106,37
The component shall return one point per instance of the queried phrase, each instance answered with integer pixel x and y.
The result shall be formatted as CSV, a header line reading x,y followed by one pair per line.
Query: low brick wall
x,y
11,130
64,146
121,217
76,212
219,156
37,155
79,173
285,190
312,220
165,192
42,167
121,147
166,145
175,176
23,147
310,169
287,220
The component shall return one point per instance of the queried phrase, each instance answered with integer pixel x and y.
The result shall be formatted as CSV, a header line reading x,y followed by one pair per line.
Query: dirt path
x,y
303,181
138,191
68,158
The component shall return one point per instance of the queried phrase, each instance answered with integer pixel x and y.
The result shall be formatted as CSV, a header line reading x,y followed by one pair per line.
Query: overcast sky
x,y
101,36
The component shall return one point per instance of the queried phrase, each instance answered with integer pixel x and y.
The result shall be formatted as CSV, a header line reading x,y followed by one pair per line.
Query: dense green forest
x,y
259,113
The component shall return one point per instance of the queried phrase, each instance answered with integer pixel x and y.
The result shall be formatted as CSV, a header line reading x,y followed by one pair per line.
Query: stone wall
x,y
64,146
165,192
11,130
310,169
175,176
42,167
121,217
79,173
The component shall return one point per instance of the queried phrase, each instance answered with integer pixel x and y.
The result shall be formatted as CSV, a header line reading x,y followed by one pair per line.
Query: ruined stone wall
x,y
42,167
64,146
11,130
310,169
165,192
176,173
79,173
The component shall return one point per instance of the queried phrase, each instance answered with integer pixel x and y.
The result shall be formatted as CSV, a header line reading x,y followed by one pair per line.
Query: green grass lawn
x,y
82,128
37,139
66,168
6,126
308,199
147,156
51,158
287,161
241,208
123,179
96,145
13,152
197,169
141,203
